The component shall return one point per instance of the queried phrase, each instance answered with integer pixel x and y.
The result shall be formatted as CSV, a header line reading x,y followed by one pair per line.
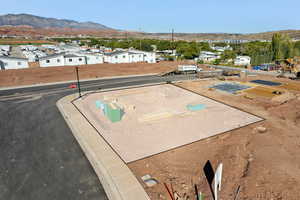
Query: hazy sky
x,y
232,16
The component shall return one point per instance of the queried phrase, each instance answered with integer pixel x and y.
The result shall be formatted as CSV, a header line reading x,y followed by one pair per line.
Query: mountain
x,y
25,25
43,22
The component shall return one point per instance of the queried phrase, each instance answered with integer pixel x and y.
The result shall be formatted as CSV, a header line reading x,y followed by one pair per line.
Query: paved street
x,y
39,157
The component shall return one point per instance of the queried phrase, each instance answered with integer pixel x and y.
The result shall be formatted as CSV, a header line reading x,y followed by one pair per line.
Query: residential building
x,y
242,60
123,57
28,47
62,59
207,56
149,57
72,59
94,58
52,60
221,49
13,63
69,48
5,48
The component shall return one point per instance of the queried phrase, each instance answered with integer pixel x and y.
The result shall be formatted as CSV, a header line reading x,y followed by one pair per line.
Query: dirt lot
x,y
266,165
56,74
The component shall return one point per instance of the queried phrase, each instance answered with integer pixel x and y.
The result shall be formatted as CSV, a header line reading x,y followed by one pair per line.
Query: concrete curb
x,y
116,178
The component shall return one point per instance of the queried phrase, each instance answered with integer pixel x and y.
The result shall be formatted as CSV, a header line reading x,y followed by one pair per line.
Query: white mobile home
x,y
62,60
149,57
92,58
52,60
71,59
207,56
5,48
13,63
242,60
123,57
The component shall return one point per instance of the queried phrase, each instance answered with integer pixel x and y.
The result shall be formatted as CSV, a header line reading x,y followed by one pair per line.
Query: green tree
x,y
227,54
286,47
297,48
188,50
276,46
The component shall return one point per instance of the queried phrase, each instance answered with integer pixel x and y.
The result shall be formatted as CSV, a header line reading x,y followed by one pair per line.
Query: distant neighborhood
x,y
71,54
90,51
68,55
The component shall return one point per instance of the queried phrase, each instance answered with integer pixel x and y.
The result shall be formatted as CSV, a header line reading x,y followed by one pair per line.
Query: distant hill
x,y
25,25
294,34
43,22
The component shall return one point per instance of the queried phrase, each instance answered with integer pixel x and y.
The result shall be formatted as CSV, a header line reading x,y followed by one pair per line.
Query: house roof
x,y
248,57
114,53
72,56
12,58
52,56
121,52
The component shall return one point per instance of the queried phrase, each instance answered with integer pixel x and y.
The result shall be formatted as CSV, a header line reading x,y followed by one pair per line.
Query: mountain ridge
x,y
34,21
35,26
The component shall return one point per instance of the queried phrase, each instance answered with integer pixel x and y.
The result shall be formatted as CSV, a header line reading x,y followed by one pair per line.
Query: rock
x,y
161,196
177,196
184,186
261,129
283,97
146,177
151,182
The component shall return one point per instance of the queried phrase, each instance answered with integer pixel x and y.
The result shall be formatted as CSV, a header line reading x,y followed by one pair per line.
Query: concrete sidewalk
x,y
117,179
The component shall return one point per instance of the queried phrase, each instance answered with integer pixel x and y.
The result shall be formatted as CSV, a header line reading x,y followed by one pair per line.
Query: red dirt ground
x,y
56,74
264,165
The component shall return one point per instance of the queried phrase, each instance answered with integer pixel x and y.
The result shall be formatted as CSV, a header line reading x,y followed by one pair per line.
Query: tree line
x,y
281,47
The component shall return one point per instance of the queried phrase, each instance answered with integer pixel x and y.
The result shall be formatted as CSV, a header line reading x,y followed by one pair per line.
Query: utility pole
x,y
127,37
172,45
78,82
140,39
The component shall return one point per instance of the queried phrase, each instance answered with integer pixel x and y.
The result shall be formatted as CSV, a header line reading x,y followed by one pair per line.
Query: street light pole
x,y
78,83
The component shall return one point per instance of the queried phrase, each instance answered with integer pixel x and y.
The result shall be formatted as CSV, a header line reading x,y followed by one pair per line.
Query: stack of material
x,y
231,87
196,107
111,110
155,116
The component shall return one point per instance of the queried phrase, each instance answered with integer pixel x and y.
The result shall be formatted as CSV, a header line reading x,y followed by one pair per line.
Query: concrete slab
x,y
156,119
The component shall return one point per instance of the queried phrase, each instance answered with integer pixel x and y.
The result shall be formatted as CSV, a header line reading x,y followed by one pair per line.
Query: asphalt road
x,y
251,72
39,157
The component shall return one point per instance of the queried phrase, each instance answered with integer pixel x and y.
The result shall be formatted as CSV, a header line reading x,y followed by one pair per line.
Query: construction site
x,y
245,123
167,133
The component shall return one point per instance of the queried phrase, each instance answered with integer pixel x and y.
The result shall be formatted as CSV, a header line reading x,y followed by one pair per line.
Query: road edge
x,y
75,81
116,178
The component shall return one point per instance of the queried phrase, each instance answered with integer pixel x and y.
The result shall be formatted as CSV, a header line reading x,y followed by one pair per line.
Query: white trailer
x,y
187,68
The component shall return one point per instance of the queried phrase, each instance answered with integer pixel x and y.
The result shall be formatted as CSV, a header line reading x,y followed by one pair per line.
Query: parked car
x,y
72,86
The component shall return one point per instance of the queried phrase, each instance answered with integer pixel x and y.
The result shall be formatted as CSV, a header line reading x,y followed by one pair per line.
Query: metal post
x,y
172,42
78,83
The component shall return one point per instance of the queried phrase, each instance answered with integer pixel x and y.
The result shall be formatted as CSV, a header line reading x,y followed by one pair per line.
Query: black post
x,y
172,41
78,83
